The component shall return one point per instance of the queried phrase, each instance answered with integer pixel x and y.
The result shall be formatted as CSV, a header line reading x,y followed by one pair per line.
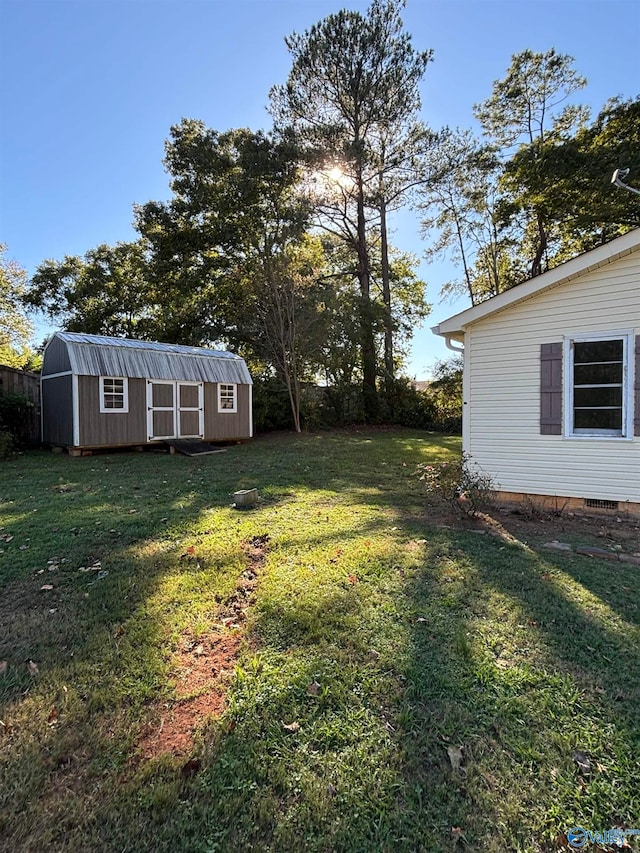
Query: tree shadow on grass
x,y
512,666
103,660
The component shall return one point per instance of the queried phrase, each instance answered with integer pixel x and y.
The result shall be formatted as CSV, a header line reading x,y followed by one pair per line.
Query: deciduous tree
x,y
527,112
15,327
106,292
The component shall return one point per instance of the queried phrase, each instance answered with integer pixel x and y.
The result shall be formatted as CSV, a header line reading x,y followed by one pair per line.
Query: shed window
x,y
598,386
227,398
114,394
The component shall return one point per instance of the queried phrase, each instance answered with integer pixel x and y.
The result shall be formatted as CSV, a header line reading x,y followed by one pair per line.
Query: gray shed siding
x,y
56,357
224,425
98,429
57,411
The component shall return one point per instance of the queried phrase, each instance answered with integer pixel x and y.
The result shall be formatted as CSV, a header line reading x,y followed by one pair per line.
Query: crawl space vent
x,y
595,503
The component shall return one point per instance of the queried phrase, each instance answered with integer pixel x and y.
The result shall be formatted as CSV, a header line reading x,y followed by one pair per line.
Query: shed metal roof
x,y
97,355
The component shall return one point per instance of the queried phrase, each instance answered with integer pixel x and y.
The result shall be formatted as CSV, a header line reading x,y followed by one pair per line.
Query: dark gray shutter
x,y
636,420
551,389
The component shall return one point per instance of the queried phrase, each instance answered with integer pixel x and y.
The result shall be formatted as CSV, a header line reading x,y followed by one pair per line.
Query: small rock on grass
x,y
558,546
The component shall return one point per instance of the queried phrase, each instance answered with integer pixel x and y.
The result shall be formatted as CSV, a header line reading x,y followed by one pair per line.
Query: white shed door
x,y
190,414
175,410
161,410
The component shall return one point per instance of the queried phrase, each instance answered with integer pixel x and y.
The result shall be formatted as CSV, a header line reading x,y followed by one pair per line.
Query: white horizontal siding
x,y
502,390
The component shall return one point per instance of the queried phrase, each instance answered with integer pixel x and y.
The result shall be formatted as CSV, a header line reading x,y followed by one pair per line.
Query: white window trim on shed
x,y
121,410
227,410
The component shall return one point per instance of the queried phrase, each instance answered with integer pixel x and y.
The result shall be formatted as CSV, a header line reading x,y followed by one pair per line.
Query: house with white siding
x,y
551,388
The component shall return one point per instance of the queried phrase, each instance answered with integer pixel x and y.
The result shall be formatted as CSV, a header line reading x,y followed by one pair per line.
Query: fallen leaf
x,y
291,727
457,834
313,689
4,666
33,667
352,579
52,719
455,756
191,550
199,650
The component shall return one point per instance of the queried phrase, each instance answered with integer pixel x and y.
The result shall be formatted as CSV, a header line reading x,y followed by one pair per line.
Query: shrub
x,y
402,404
17,414
6,443
461,484
271,406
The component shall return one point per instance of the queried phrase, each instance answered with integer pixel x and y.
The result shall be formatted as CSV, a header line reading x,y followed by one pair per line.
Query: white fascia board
x,y
601,256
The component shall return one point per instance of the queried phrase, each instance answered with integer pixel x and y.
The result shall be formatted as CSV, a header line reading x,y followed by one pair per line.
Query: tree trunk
x,y
369,393
389,369
536,266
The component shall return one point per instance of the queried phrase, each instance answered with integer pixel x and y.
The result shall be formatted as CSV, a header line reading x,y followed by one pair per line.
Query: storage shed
x,y
114,392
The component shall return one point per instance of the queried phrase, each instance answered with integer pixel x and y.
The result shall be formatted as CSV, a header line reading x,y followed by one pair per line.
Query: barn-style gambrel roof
x,y
98,355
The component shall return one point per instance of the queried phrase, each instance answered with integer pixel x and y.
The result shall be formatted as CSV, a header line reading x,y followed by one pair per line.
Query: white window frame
x,y
626,434
227,411
124,409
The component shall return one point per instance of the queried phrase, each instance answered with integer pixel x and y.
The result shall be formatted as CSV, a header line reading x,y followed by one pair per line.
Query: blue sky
x,y
91,87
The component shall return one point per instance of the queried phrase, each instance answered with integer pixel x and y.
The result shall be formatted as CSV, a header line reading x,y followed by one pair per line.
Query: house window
x,y
114,394
227,398
598,386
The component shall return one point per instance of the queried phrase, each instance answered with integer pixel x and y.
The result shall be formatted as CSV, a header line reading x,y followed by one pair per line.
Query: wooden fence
x,y
13,381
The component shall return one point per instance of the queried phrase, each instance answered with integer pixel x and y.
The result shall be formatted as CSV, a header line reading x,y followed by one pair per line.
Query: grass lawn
x,y
333,670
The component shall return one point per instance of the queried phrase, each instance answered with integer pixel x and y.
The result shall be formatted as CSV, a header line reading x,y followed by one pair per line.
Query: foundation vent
x,y
595,503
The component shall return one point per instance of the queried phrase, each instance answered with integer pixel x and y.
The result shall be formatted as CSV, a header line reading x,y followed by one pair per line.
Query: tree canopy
x,y
15,327
353,87
276,242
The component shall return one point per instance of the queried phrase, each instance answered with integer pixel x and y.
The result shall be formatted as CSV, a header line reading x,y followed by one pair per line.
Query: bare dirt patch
x,y
536,528
204,666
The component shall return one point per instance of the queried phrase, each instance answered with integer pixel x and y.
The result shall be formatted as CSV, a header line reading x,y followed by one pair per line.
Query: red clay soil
x,y
203,671
204,667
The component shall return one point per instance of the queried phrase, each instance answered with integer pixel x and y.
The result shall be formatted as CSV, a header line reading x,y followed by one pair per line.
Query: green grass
x,y
417,637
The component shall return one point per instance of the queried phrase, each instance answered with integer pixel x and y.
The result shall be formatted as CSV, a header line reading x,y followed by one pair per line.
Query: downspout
x,y
449,345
